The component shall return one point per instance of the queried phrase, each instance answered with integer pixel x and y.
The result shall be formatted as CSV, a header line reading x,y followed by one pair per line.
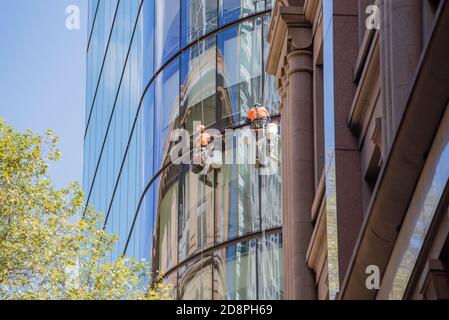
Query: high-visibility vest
x,y
257,113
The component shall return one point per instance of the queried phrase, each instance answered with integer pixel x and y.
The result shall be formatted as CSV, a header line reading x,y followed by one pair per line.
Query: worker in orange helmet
x,y
259,119
203,144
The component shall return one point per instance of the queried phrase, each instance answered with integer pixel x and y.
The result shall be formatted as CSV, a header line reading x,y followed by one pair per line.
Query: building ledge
x,y
404,163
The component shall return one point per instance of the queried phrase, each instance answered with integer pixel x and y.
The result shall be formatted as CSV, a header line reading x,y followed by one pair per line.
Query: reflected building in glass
x,y
155,66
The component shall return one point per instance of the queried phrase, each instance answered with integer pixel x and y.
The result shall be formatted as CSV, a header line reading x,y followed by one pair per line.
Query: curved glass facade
x,y
186,61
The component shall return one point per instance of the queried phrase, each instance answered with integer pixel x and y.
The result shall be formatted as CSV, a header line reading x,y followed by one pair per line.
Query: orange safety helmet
x,y
257,112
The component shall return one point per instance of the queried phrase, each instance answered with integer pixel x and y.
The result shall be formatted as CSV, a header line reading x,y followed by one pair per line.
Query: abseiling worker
x,y
205,148
205,138
258,117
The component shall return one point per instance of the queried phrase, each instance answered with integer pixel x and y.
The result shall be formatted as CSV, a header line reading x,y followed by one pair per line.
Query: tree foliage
x,y
48,248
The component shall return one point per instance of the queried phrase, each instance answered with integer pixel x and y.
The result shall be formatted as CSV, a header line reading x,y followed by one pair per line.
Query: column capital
x,y
289,31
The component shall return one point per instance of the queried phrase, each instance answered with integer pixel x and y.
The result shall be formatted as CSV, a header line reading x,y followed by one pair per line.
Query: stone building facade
x,y
364,89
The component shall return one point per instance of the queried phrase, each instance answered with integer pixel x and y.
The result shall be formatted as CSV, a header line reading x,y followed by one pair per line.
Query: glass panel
x,y
196,228
148,128
240,70
271,188
235,272
271,98
232,10
148,42
167,30
139,246
195,280
167,220
199,17
270,264
198,100
237,192
167,111
424,206
329,137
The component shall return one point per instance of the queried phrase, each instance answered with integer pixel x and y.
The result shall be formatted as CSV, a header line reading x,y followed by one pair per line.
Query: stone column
x,y
285,187
300,178
290,59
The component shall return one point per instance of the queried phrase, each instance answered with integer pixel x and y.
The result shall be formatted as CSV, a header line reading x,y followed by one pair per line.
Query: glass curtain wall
x,y
208,66
112,158
197,60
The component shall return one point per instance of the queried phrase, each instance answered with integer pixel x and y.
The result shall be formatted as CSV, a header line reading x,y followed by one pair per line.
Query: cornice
x,y
286,24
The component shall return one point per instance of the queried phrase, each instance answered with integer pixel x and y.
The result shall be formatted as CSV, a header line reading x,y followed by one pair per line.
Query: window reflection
x,y
167,220
167,30
237,193
167,111
271,204
270,268
199,17
195,280
271,98
198,73
424,207
240,70
235,272
196,215
232,10
213,81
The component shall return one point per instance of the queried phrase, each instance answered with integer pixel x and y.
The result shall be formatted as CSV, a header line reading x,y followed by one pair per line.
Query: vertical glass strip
x,y
329,136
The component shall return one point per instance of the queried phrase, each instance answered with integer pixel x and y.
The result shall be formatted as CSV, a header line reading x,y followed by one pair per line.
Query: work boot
x,y
208,182
259,164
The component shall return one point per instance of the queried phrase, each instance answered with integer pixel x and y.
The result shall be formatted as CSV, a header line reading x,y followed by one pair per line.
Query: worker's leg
x,y
262,152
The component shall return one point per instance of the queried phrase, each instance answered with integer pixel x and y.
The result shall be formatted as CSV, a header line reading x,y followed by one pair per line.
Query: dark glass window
x,y
198,18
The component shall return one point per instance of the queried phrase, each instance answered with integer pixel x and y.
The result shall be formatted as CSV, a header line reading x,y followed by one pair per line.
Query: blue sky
x,y
42,76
